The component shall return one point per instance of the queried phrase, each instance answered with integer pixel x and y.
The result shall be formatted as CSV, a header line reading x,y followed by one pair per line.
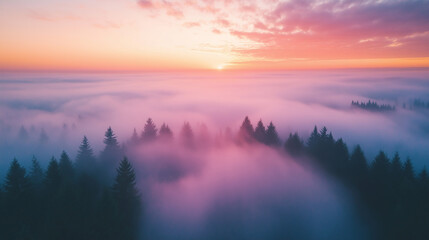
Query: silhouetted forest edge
x,y
96,197
372,106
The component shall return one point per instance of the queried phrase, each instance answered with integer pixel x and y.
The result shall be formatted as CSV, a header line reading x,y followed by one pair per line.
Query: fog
x,y
69,105
234,191
221,190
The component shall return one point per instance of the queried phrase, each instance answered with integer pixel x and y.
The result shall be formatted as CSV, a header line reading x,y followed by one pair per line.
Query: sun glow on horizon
x,y
199,34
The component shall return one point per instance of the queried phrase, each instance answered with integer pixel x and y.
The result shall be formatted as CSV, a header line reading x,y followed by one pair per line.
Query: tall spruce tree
x,y
66,168
380,166
111,154
246,132
134,138
149,131
52,178
16,184
36,174
165,133
187,135
85,159
17,196
408,170
313,140
272,136
294,145
127,200
260,132
358,163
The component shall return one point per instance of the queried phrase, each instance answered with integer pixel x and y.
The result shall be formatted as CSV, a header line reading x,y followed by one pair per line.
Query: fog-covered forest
x,y
105,195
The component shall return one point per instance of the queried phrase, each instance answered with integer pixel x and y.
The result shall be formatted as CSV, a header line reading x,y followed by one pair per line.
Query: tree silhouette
x,y
85,159
380,166
313,140
111,153
36,174
260,132
165,133
17,193
149,131
52,177
340,156
127,200
246,132
358,171
272,136
134,137
187,135
294,145
16,184
65,167
358,164
408,170
43,138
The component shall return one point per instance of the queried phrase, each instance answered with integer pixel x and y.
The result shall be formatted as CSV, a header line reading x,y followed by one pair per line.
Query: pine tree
x,y
149,131
313,140
127,200
43,138
323,133
17,200
423,176
396,165
340,157
294,145
36,174
65,167
16,184
111,154
272,136
85,159
187,135
396,170
165,133
358,163
260,132
52,178
408,170
246,132
110,138
134,138
380,166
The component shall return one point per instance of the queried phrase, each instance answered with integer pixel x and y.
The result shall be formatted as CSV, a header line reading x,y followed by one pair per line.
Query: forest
x,y
373,106
96,196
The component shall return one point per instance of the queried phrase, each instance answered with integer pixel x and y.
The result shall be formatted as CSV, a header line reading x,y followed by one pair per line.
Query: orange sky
x,y
207,34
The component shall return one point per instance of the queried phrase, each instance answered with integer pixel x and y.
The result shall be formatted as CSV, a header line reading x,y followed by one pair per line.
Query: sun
x,y
220,67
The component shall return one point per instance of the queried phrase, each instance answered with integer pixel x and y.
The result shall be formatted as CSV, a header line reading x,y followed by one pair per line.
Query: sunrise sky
x,y
212,34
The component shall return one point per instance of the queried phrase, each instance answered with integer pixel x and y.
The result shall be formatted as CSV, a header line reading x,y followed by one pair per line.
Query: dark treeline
x,y
394,196
416,104
84,199
97,198
373,106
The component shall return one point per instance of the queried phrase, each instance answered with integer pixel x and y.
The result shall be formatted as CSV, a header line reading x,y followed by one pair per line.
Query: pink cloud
x,y
216,31
317,29
145,3
191,24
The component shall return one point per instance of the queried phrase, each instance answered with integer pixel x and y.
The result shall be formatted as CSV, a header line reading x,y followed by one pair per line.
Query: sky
x,y
139,35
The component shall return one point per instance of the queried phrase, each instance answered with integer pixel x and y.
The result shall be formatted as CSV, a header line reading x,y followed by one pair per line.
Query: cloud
x,y
191,24
145,3
317,29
